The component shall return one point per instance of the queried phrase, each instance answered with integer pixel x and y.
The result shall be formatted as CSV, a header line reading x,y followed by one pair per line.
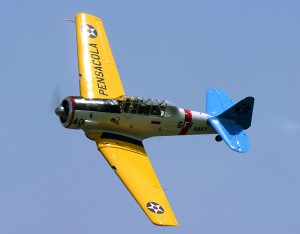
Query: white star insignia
x,y
154,207
89,30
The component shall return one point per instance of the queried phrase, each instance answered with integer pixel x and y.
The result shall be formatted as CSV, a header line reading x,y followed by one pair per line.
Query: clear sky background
x,y
53,180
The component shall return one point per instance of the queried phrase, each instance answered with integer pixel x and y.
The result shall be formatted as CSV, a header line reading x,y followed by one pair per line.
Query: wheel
x,y
218,138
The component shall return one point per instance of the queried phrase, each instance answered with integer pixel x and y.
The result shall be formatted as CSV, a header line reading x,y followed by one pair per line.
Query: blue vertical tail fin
x,y
230,120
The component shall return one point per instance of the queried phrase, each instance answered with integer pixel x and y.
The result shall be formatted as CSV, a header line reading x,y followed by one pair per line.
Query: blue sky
x,y
53,180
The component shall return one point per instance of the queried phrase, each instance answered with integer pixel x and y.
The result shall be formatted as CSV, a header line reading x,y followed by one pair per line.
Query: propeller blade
x,y
55,99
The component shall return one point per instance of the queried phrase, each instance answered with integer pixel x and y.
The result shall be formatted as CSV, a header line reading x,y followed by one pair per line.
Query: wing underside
x,y
130,162
99,77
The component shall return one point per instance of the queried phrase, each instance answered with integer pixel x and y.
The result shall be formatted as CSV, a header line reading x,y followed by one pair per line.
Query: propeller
x,y
55,102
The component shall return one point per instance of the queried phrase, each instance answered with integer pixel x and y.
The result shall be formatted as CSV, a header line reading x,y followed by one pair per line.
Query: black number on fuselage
x,y
78,122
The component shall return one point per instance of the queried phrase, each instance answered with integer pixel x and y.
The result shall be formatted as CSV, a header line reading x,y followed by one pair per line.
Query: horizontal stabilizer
x,y
217,101
233,135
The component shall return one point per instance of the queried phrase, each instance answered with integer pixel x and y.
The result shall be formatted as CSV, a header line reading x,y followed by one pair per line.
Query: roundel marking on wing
x,y
89,30
155,208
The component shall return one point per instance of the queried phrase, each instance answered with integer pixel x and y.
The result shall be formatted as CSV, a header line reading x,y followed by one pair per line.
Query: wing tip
x,y
166,224
84,14
165,221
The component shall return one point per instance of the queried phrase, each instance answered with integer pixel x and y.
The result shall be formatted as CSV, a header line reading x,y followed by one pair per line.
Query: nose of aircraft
x,y
59,111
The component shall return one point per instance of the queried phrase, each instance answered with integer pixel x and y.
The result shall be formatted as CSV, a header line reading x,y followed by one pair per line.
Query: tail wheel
x,y
218,138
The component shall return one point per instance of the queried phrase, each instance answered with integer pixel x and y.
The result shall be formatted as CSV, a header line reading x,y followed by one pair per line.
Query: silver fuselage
x,y
134,117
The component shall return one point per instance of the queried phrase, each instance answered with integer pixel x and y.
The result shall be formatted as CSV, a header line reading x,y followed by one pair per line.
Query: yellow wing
x,y
129,160
99,77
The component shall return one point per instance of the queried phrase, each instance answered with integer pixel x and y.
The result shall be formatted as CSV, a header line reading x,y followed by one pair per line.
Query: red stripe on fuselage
x,y
73,111
187,122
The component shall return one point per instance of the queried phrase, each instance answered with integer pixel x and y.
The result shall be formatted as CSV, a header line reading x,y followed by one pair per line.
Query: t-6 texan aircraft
x,y
118,123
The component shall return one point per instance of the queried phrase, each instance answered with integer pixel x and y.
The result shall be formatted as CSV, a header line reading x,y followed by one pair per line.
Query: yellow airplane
x,y
118,123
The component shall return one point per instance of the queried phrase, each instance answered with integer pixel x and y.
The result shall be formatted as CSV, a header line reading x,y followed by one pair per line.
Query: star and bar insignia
x,y
155,208
89,30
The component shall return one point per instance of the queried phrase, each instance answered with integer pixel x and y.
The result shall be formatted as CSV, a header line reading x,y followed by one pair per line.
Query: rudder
x,y
240,113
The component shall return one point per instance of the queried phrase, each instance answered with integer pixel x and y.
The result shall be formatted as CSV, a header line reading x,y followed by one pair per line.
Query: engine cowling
x,y
69,117
73,111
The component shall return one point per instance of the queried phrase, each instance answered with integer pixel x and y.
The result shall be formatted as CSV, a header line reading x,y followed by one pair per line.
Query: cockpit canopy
x,y
127,104
143,106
